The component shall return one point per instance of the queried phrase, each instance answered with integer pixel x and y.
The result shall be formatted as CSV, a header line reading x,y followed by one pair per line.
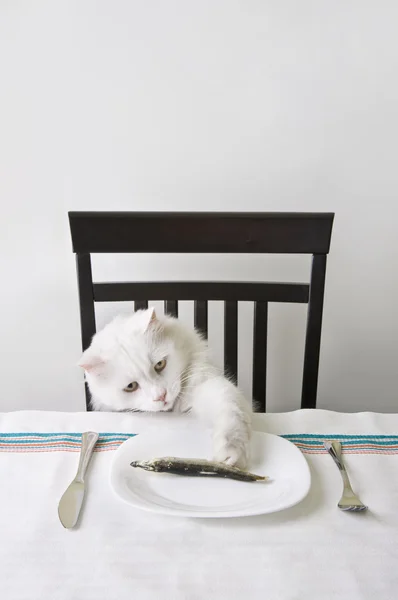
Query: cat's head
x,y
135,363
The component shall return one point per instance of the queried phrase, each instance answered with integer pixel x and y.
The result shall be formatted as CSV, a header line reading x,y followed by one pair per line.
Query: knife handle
x,y
89,439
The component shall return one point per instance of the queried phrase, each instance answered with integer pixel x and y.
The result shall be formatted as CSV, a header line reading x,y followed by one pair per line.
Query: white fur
x,y
126,351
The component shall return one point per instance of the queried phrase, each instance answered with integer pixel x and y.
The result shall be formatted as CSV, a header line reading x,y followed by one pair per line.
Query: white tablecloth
x,y
311,551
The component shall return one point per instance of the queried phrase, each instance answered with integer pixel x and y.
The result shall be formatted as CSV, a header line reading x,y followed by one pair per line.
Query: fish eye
x,y
160,365
131,387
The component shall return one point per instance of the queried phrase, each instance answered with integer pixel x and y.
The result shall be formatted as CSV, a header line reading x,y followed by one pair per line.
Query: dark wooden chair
x,y
255,233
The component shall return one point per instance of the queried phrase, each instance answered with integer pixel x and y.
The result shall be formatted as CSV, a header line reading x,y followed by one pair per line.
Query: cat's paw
x,y
233,455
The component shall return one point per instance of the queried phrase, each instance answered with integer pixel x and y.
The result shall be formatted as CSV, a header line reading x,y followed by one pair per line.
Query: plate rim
x,y
152,508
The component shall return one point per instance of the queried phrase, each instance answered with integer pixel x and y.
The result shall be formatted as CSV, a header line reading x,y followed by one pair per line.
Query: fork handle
x,y
334,449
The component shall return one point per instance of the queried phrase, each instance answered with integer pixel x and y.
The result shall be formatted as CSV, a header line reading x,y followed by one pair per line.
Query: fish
x,y
195,467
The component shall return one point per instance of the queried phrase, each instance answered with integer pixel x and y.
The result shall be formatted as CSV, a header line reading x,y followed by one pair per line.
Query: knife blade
x,y
71,502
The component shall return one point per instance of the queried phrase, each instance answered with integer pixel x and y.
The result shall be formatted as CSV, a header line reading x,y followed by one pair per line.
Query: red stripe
x,y
26,451
58,443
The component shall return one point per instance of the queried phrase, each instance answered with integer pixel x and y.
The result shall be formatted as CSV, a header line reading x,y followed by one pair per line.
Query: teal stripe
x,y
296,436
54,440
346,440
328,436
335,436
64,434
309,439
29,439
307,442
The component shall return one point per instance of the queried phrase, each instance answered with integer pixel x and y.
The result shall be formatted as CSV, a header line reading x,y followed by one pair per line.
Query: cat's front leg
x,y
222,405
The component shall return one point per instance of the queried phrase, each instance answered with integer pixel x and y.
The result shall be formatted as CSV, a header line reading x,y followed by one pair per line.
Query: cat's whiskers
x,y
193,376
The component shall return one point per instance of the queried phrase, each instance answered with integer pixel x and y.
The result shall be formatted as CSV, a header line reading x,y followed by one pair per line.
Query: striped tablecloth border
x,y
308,443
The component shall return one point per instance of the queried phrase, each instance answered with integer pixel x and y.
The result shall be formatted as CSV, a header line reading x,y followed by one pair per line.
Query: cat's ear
x,y
90,360
148,318
153,318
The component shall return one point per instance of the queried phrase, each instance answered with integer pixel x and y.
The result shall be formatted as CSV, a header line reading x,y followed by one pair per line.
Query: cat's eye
x,y
131,387
160,365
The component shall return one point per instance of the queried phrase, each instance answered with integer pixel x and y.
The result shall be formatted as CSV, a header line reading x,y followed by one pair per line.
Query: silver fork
x,y
349,501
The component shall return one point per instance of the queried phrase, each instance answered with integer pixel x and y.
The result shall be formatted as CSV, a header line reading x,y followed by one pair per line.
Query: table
x,y
311,551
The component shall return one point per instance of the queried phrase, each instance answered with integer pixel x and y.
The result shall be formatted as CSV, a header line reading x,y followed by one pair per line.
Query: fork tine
x,y
352,507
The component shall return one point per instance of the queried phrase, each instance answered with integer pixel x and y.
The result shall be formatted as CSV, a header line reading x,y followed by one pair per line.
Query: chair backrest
x,y
255,233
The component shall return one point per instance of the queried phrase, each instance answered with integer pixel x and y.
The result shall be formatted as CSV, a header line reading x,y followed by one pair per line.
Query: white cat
x,y
143,363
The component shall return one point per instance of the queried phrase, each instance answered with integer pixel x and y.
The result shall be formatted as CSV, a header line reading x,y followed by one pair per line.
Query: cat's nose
x,y
162,397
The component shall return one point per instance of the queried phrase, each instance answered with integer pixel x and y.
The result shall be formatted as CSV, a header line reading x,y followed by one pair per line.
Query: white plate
x,y
274,456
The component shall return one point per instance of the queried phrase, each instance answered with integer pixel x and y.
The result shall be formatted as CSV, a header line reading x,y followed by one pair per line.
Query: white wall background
x,y
200,105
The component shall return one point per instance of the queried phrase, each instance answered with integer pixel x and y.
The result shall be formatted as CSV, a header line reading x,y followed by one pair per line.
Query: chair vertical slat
x,y
313,334
231,339
201,316
86,302
171,308
260,329
140,304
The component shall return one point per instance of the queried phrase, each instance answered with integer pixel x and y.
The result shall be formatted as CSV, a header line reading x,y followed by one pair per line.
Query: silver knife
x,y
72,500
